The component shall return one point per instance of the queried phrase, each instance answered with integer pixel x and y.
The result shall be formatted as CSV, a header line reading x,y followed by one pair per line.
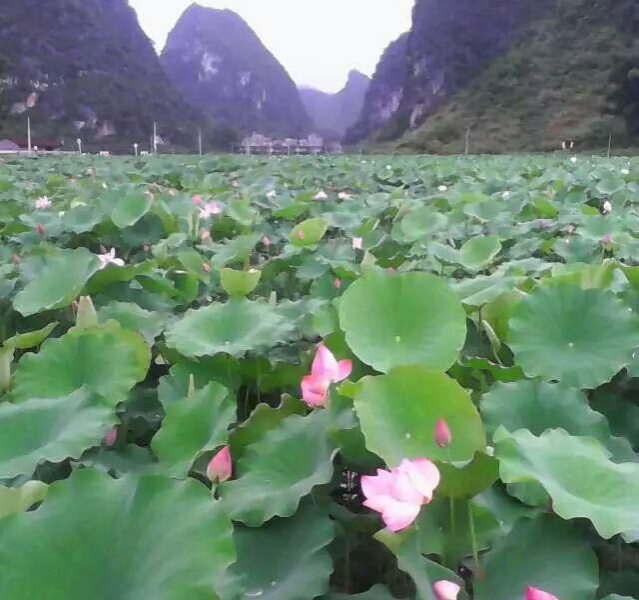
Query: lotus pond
x,y
334,377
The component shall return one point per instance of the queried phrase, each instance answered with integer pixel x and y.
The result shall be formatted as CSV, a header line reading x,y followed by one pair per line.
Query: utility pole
x,y
467,144
79,142
155,137
609,144
29,134
199,141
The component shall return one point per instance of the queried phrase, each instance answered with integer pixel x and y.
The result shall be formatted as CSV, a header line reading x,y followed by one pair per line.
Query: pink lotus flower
x,y
196,199
266,241
570,228
324,371
446,590
337,283
300,234
40,229
234,183
399,494
220,468
42,203
108,258
321,195
205,234
606,239
535,594
442,434
357,243
211,208
206,267
110,437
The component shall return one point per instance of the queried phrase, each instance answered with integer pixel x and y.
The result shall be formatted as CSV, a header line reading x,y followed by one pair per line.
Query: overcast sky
x,y
317,41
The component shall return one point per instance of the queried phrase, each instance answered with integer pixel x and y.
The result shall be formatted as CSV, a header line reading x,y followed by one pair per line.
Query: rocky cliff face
x,y
89,71
222,68
384,93
333,114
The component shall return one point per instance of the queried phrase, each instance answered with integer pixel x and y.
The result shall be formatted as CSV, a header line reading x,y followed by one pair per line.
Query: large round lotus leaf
x,y
237,327
546,553
194,425
130,316
276,473
537,406
105,358
50,429
377,592
130,208
137,538
239,283
581,338
479,251
283,560
468,480
13,500
577,474
58,283
308,233
398,413
413,318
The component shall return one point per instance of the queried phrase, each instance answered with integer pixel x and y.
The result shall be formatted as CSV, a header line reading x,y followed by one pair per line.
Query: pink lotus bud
x,y
606,239
446,590
442,434
570,228
337,283
535,594
206,267
234,183
40,229
15,258
205,234
196,199
220,468
110,437
300,234
266,241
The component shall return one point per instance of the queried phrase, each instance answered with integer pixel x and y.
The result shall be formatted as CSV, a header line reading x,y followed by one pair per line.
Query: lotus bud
x,y
196,199
205,234
40,229
6,359
446,590
15,258
220,468
234,183
266,241
442,434
300,234
570,228
357,243
86,315
110,437
536,594
337,283
606,239
206,267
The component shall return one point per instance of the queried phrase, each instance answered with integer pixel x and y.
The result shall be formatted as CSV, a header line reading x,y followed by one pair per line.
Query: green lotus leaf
x,y
420,222
546,553
308,233
479,251
276,473
285,559
130,316
398,412
58,283
239,283
577,474
377,592
14,500
105,358
29,339
263,419
506,509
449,535
581,338
412,318
130,208
50,430
148,538
537,406
237,327
470,479
192,426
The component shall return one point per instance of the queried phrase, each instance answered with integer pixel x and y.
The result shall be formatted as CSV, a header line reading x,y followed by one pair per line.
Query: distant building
x,y
262,144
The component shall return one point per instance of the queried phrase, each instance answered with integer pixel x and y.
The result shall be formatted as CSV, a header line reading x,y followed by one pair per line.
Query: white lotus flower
x,y
442,188
211,208
357,243
271,195
573,159
108,258
625,172
344,196
506,195
321,195
607,207
42,203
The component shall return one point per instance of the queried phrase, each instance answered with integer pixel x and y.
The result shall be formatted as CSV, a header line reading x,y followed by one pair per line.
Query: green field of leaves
x,y
319,377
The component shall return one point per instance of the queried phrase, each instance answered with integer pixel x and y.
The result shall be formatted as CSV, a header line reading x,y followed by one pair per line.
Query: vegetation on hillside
x,y
568,75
